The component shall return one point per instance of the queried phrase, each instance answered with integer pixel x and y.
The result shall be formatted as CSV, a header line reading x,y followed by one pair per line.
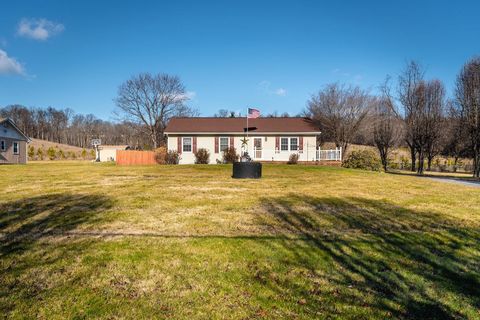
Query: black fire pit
x,y
247,170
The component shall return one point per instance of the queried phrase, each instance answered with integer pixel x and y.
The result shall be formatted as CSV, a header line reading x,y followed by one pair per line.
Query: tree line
x,y
64,126
411,111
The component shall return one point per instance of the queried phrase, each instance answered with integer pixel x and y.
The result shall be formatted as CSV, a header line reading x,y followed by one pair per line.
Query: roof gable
x,y
9,122
239,125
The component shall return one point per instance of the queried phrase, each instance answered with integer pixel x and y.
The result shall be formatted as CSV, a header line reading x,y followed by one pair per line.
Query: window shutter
x,y
232,143
300,143
277,143
194,144
216,144
179,144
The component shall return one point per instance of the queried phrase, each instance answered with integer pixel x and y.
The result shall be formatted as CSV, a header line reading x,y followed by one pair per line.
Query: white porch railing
x,y
329,155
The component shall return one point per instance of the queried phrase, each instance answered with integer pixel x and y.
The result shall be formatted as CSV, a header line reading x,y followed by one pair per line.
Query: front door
x,y
257,148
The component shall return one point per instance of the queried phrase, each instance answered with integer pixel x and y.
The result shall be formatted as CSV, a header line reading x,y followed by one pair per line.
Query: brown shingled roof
x,y
238,125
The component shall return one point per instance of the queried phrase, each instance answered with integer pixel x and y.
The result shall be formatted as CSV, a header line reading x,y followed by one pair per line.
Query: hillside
x,y
44,144
70,152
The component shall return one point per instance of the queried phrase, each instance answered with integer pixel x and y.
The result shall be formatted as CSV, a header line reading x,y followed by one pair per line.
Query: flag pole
x,y
247,131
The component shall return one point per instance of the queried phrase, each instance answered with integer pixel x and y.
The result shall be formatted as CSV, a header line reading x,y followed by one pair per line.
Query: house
x,y
109,152
267,139
13,143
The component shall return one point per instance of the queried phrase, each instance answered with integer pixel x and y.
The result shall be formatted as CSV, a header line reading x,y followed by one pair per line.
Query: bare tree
x,y
468,97
151,100
410,96
339,110
434,120
386,128
456,139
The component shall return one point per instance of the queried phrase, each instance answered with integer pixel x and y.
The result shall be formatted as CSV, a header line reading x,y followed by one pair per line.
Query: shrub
x,y
172,157
160,155
40,153
363,159
293,159
230,155
202,156
31,152
405,163
393,165
84,154
61,154
51,153
92,154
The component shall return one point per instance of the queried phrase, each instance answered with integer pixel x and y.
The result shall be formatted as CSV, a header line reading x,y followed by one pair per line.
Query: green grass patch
x,y
87,240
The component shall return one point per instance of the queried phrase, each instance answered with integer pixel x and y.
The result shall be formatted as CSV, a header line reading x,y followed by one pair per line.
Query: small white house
x,y
268,139
109,152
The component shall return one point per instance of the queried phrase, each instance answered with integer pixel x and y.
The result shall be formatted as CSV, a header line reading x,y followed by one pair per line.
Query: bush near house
x,y
202,156
40,153
160,155
293,159
31,152
363,159
51,153
172,157
230,155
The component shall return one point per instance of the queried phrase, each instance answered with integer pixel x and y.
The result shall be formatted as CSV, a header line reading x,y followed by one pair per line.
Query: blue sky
x,y
230,54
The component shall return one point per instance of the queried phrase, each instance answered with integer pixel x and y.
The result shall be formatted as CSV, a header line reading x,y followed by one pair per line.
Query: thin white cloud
x,y
265,86
189,95
281,92
39,29
9,65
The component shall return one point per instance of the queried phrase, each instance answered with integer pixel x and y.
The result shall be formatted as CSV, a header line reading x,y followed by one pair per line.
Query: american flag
x,y
253,113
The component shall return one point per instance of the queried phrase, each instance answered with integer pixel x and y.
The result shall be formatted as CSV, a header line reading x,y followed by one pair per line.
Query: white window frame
x,y
3,145
289,144
290,140
220,143
16,145
191,144
281,144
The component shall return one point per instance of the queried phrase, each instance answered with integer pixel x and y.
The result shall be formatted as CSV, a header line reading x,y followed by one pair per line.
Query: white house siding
x,y
269,152
108,155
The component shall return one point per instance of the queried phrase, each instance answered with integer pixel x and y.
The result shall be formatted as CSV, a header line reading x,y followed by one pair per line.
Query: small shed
x,y
109,152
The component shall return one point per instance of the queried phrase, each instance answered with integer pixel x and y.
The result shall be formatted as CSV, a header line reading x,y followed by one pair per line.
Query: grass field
x,y
86,240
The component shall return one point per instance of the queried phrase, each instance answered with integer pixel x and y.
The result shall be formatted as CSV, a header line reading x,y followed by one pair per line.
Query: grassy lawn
x,y
82,240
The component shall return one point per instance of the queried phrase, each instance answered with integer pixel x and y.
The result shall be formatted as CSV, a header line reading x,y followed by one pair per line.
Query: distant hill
x,y
44,144
67,150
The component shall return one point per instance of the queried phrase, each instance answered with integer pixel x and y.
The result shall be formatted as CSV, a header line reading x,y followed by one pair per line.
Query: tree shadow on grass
x,y
23,222
385,260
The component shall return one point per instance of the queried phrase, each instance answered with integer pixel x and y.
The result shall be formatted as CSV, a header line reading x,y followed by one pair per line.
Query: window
x,y
3,145
15,148
284,144
293,144
287,144
187,144
223,143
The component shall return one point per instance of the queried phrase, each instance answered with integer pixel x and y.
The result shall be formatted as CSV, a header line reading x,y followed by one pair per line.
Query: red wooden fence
x,y
132,157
